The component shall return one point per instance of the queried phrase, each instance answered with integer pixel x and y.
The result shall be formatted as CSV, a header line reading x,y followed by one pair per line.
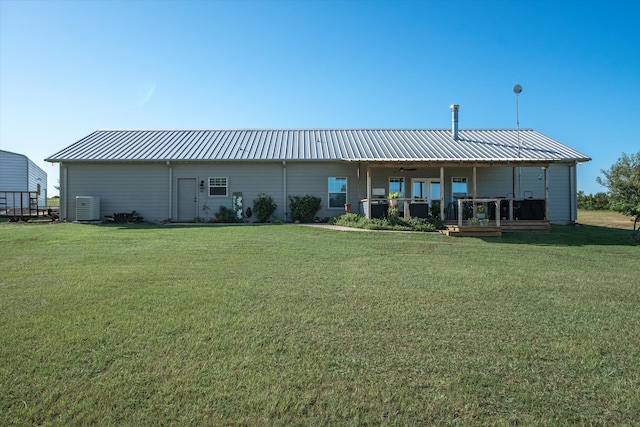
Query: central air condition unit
x,y
87,208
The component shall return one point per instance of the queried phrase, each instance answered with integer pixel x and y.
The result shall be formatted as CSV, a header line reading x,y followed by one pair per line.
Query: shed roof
x,y
375,145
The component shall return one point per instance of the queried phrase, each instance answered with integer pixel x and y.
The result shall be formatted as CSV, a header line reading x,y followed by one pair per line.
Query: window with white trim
x,y
337,192
218,186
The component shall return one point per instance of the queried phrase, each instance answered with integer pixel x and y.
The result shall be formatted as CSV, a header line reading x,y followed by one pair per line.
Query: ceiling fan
x,y
403,169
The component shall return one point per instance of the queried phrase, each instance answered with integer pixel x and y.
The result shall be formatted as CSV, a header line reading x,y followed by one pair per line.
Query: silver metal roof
x,y
376,145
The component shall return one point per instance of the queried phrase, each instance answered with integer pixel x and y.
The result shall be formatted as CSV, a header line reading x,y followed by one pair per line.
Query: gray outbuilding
x,y
22,183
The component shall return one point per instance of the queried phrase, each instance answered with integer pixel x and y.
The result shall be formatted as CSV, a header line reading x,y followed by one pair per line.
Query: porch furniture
x,y
379,209
419,210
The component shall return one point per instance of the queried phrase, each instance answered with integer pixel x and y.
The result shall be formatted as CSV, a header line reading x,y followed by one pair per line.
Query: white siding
x,y
19,173
37,177
13,172
562,198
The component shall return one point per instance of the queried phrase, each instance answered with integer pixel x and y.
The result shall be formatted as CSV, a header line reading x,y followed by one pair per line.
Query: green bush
x,y
304,208
264,207
225,215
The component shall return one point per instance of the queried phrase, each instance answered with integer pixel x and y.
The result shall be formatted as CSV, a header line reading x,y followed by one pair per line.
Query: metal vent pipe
x,y
454,121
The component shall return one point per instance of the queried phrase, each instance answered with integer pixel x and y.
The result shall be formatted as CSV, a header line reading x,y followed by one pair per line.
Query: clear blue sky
x,y
68,68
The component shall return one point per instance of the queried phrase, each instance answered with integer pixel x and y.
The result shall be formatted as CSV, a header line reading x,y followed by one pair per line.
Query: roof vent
x,y
454,121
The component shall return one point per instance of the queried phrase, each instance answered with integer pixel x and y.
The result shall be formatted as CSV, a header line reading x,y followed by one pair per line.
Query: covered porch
x,y
509,196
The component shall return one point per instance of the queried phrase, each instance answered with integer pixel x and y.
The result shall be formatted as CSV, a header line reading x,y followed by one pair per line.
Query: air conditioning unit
x,y
87,208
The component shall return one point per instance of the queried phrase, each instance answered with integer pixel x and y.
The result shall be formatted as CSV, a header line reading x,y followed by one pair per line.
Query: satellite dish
x,y
517,89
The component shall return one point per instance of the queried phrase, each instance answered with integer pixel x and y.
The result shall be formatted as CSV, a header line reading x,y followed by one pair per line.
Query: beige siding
x,y
313,178
151,188
120,187
248,179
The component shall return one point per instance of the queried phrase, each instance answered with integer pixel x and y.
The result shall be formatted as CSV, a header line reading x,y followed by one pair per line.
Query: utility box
x,y
87,208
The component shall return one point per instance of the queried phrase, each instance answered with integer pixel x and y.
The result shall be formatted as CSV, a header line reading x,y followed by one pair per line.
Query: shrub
x,y
304,208
390,223
592,202
225,215
264,207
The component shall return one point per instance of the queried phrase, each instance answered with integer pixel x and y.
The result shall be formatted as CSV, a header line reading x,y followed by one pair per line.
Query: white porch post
x,y
442,193
475,192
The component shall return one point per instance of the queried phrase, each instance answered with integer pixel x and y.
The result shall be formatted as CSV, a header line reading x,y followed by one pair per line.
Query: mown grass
x,y
608,219
290,325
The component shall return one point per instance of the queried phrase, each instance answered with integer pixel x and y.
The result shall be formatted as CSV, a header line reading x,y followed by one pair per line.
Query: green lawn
x,y
291,325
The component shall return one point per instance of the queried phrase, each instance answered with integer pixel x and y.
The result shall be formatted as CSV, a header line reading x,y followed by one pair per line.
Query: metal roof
x,y
375,145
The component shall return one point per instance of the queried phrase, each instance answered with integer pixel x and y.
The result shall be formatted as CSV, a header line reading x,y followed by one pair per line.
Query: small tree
x,y
623,181
264,207
304,208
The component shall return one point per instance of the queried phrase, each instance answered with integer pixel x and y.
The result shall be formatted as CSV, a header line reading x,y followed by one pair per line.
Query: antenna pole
x,y
518,123
517,89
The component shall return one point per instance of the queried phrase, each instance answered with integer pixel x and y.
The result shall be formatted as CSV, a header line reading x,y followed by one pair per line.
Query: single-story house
x,y
23,185
181,175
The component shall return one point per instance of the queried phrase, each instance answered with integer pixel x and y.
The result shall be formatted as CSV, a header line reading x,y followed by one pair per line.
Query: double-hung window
x,y
218,186
337,192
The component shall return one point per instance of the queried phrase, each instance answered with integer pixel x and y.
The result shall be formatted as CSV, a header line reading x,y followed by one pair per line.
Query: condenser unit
x,y
87,208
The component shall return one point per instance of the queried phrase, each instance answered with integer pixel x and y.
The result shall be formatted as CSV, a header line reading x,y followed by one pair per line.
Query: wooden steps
x,y
520,226
525,226
467,231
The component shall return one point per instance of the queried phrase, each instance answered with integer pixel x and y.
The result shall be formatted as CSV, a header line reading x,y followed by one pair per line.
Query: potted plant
x,y
393,198
481,211
473,222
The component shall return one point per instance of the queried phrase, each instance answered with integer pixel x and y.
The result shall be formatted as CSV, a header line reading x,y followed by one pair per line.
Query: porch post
x,y
368,191
442,193
475,192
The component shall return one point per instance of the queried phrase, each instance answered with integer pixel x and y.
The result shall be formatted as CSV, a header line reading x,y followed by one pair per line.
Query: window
x,y
434,190
459,188
396,185
419,189
218,187
337,192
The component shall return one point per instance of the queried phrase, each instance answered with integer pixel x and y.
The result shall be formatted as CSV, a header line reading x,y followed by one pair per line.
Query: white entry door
x,y
186,199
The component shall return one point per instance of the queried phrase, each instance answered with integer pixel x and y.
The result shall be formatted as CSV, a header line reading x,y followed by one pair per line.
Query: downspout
x,y
65,187
284,189
359,195
170,189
